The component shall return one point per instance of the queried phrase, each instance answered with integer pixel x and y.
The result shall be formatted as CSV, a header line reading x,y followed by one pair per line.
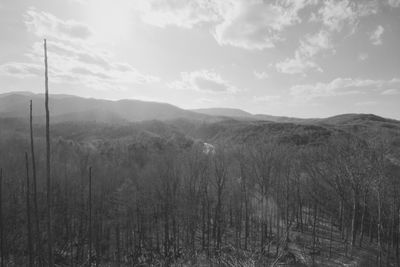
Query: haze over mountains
x,y
66,108
89,119
73,108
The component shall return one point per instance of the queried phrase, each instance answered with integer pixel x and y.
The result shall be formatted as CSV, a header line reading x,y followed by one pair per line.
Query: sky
x,y
301,58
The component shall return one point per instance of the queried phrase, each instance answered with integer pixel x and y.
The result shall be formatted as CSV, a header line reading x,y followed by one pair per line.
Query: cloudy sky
x,y
304,58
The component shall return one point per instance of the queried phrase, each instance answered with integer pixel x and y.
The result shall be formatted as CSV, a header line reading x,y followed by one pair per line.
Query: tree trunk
x,y
388,245
391,235
208,228
287,209
2,252
300,202
354,220
331,238
117,237
341,218
262,220
90,216
363,219
397,238
203,225
278,225
371,225
166,231
28,212
379,232
35,200
50,258
314,233
246,223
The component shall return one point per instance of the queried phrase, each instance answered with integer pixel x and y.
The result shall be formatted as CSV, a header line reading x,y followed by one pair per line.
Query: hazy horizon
x,y
189,109
302,58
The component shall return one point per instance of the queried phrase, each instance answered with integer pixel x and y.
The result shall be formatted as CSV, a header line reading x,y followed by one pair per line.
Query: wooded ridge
x,y
227,192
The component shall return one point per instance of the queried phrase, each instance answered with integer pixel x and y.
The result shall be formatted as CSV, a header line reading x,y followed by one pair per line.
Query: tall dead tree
x,y
48,179
90,216
118,245
28,212
35,201
2,263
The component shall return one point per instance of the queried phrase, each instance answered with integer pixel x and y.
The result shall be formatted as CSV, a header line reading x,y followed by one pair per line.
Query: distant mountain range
x,y
98,123
66,108
72,108
225,112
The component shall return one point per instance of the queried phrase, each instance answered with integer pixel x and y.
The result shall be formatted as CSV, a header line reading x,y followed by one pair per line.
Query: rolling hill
x,y
198,123
71,108
244,115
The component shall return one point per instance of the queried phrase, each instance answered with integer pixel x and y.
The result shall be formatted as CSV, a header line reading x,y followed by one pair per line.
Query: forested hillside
x,y
193,192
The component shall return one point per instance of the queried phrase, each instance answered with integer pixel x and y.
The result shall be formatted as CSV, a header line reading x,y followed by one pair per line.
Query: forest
x,y
236,194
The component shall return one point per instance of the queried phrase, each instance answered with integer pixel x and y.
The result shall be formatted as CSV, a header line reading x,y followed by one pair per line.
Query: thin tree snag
x,y
90,216
28,212
35,200
2,261
331,238
50,258
117,236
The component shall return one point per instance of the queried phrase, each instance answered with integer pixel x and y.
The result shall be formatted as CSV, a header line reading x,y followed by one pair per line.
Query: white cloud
x,y
256,24
362,56
181,13
72,59
296,65
261,75
303,59
248,24
78,64
338,15
394,3
46,25
91,66
340,86
391,92
203,81
335,16
313,44
376,36
21,70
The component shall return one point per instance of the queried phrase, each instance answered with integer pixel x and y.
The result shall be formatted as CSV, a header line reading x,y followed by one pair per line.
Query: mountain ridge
x,y
75,108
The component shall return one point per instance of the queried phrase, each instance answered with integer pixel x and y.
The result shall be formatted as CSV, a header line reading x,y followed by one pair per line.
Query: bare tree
x,y
220,164
2,263
28,212
48,178
35,200
90,216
